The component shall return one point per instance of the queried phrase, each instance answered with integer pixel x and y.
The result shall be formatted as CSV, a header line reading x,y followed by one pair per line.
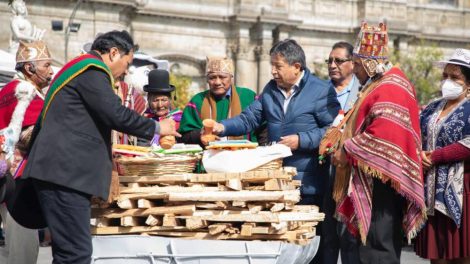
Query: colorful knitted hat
x,y
372,42
32,51
219,64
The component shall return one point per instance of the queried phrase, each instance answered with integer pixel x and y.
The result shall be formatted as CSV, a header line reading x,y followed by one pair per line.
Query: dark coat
x,y
310,112
73,147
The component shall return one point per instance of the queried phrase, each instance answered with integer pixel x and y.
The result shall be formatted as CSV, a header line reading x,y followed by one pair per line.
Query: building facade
x,y
186,31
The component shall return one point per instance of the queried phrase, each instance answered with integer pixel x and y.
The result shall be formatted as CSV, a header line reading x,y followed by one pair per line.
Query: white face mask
x,y
450,89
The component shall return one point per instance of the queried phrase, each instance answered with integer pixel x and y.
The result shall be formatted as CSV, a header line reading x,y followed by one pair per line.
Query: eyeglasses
x,y
338,61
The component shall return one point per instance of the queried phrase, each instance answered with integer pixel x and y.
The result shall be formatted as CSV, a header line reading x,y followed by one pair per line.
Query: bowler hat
x,y
159,82
24,206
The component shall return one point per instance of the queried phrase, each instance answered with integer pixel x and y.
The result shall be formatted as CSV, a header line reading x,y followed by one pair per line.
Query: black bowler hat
x,y
24,206
159,82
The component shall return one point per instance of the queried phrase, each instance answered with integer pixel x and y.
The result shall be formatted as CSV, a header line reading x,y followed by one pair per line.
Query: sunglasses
x,y
338,61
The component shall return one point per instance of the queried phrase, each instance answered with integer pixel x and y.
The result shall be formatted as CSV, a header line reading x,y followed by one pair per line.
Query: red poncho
x,y
382,140
8,102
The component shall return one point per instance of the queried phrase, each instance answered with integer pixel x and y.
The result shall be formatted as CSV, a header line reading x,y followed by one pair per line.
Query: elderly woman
x,y
159,99
446,161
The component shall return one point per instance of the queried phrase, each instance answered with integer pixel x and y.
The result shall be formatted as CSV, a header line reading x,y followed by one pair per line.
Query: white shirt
x,y
288,97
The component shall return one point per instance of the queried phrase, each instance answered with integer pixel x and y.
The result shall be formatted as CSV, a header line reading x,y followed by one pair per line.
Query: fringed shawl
x,y
382,140
444,183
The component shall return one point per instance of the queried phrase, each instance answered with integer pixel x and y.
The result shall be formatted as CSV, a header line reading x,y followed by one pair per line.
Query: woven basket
x,y
156,166
272,165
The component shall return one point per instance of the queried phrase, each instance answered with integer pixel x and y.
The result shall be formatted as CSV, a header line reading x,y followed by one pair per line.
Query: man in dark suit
x,y
70,159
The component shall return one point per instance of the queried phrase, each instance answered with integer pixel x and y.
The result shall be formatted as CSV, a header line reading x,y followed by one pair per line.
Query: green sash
x,y
71,70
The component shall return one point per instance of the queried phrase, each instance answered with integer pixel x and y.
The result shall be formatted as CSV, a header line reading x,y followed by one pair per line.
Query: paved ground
x,y
408,256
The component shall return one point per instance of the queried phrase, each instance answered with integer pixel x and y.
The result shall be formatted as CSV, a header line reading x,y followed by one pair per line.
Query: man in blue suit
x,y
335,237
297,107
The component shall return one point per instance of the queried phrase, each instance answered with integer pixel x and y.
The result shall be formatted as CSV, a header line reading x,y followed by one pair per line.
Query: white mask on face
x,y
450,89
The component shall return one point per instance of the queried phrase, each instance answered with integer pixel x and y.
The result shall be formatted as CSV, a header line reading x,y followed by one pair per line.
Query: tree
x,y
418,66
182,84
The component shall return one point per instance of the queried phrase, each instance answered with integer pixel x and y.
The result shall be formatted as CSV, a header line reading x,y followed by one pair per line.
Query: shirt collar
x,y
348,88
229,93
295,86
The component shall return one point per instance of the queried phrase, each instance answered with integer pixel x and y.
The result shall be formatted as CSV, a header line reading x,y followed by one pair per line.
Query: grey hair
x,y
20,65
291,51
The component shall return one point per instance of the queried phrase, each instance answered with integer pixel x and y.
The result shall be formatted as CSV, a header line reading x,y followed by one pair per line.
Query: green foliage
x,y
182,84
418,66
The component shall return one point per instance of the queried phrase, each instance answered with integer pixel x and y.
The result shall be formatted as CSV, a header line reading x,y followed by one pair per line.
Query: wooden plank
x,y
170,220
273,185
255,208
262,217
232,230
251,176
234,184
172,178
126,203
184,209
215,205
278,185
215,229
279,226
247,229
154,220
114,230
124,200
145,203
222,204
239,203
277,207
195,223
293,196
166,189
132,221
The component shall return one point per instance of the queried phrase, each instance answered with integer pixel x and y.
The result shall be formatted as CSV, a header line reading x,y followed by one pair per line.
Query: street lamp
x,y
71,27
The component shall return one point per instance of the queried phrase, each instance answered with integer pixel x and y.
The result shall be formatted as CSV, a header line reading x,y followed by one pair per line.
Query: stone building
x,y
186,31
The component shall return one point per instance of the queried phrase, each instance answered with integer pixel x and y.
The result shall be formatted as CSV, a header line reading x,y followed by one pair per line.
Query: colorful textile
x,y
192,114
209,106
441,238
175,114
382,140
133,100
67,73
372,42
444,182
8,103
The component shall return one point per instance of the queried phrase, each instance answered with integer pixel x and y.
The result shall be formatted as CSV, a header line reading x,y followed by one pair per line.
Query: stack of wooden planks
x,y
258,205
